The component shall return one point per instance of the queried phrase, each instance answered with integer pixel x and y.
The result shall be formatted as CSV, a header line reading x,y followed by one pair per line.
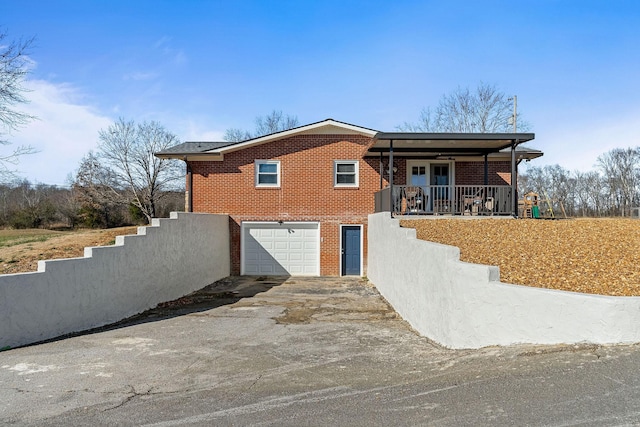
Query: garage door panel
x,y
282,258
251,257
266,244
296,245
280,249
281,246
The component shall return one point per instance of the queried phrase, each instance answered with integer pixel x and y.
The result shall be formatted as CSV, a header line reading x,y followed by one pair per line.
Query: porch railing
x,y
445,199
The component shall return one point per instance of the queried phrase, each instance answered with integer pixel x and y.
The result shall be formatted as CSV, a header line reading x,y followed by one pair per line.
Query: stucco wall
x,y
462,305
165,261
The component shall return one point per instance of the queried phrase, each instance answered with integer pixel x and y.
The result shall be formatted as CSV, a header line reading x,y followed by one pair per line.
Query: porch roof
x,y
448,144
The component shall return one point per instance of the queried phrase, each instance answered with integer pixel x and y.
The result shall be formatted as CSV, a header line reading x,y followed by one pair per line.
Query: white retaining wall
x,y
462,305
167,260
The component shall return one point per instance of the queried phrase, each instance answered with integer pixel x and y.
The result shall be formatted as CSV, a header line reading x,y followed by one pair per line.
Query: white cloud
x,y
63,133
192,131
577,146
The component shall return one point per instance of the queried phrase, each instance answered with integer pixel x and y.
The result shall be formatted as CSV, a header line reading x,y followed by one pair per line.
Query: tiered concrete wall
x,y
462,305
169,259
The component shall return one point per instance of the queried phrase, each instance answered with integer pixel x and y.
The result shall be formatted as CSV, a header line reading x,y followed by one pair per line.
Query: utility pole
x,y
514,164
514,118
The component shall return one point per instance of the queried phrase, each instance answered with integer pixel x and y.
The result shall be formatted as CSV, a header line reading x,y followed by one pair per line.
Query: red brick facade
x,y
307,191
472,173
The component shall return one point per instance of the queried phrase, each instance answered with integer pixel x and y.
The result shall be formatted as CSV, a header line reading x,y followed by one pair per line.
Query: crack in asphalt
x,y
129,398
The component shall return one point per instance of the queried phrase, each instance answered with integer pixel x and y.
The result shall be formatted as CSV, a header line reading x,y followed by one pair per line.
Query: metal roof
x,y
446,144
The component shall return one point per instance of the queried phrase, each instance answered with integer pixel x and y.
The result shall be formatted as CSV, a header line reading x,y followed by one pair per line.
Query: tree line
x,y
27,205
611,188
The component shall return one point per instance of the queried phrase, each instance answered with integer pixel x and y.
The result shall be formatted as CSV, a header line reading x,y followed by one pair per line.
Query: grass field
x,y
18,237
20,250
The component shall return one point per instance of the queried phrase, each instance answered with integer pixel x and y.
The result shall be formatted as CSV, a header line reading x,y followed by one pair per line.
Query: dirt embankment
x,y
597,256
24,257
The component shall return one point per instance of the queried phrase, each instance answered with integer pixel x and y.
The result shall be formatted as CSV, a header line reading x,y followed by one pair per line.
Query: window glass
x,y
346,173
345,167
268,173
268,168
267,178
346,178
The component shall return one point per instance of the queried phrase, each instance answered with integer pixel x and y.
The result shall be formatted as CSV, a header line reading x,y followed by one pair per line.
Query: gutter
x,y
189,189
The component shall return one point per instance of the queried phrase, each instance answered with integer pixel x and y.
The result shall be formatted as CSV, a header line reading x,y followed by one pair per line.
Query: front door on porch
x,y
439,173
418,175
435,179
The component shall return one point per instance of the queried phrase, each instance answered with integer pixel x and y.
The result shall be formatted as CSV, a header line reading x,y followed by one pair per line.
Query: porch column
x,y
391,176
514,179
381,170
188,202
486,169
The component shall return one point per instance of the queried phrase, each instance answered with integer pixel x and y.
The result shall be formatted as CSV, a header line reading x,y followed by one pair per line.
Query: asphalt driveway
x,y
319,351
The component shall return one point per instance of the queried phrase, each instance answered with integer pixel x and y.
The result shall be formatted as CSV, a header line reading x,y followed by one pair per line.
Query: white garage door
x,y
290,248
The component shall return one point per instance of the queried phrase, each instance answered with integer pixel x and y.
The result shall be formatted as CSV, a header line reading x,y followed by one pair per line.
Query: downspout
x,y
189,190
391,204
381,169
514,179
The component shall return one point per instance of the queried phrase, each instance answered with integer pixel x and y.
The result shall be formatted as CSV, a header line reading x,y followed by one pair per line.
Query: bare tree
x,y
14,67
596,185
32,205
125,170
582,193
98,197
554,184
273,122
484,110
621,169
236,135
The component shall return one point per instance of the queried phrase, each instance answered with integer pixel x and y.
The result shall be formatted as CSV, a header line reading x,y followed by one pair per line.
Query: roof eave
x,y
189,157
291,132
440,136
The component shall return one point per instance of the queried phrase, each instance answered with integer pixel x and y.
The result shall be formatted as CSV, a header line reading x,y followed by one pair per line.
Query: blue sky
x,y
200,67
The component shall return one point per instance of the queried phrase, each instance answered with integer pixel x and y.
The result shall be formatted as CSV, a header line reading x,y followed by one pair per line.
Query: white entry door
x,y
288,248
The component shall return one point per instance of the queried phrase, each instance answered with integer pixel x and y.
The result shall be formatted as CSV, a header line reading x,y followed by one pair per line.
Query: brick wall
x,y
306,190
472,173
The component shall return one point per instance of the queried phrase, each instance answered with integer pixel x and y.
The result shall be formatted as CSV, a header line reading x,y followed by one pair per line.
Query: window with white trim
x,y
267,173
345,173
